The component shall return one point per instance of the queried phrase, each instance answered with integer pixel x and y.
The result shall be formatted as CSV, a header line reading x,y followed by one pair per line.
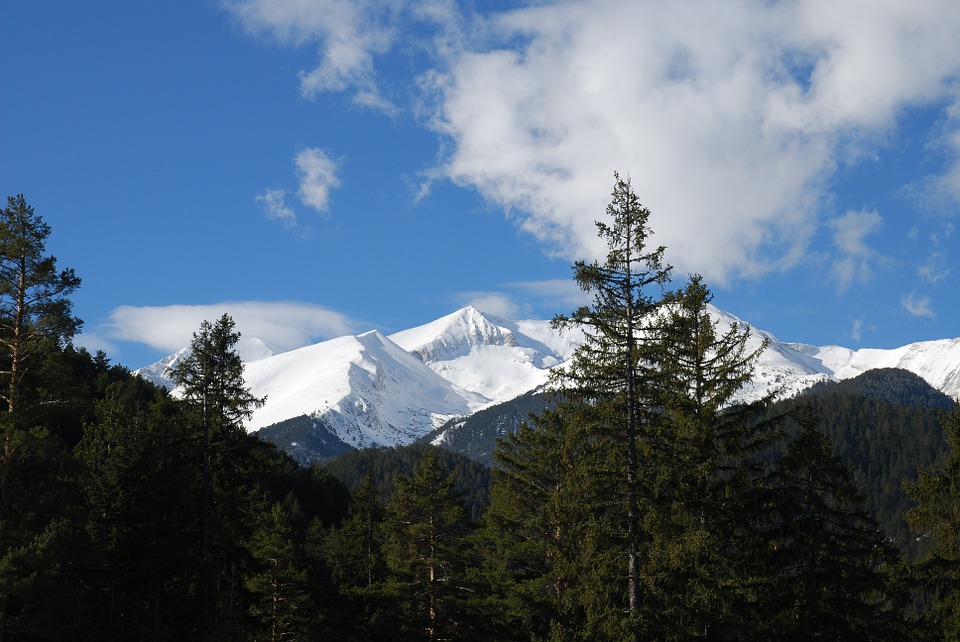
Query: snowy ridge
x,y
497,358
374,390
249,348
366,388
937,362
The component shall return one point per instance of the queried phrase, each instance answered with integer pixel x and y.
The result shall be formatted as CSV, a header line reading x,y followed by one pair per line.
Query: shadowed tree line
x,y
645,503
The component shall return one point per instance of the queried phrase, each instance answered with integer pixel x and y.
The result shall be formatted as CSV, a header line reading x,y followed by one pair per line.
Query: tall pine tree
x,y
35,489
425,528
612,364
210,379
937,519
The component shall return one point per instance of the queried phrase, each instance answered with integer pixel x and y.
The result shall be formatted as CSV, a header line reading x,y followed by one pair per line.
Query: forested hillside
x,y
885,425
471,480
476,436
644,503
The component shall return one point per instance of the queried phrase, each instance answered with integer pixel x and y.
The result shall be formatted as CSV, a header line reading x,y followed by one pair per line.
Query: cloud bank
x,y
282,325
732,119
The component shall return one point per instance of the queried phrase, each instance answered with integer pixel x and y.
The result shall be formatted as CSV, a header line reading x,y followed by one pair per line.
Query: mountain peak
x,y
455,335
372,389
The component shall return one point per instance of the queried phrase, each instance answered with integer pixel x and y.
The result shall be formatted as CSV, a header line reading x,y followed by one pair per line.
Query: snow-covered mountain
x,y
370,389
250,349
366,389
497,358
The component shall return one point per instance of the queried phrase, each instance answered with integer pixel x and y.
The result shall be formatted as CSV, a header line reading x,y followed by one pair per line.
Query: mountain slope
x,y
937,362
366,388
497,358
373,390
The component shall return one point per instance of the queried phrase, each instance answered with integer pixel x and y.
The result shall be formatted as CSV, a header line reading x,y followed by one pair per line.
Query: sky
x,y
318,168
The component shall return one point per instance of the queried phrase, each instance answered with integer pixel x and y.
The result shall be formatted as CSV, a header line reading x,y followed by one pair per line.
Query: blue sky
x,y
322,167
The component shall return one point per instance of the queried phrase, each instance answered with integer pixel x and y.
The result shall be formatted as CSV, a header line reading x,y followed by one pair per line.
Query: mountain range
x,y
376,390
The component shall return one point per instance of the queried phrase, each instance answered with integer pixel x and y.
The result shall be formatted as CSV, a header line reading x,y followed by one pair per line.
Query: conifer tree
x,y
210,379
553,557
35,315
828,568
701,466
425,528
142,495
936,518
611,366
281,602
355,547
34,297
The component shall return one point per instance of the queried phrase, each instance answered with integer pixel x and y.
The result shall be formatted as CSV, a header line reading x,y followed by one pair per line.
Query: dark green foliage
x,y
476,436
833,566
35,308
884,425
936,519
893,386
424,528
281,604
471,482
41,543
612,366
142,491
550,558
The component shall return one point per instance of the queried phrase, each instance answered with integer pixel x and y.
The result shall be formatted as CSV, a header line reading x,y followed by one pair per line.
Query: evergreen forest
x,y
642,501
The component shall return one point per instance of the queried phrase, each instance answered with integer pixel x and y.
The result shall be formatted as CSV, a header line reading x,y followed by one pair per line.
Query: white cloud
x,y
849,237
495,303
729,117
540,299
318,175
917,306
856,332
282,325
349,35
561,295
934,269
275,207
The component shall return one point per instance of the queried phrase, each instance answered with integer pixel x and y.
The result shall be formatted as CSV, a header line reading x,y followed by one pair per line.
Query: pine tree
x,y
355,547
937,519
829,568
35,514
281,603
142,493
210,379
425,527
354,551
611,366
35,308
701,468
551,540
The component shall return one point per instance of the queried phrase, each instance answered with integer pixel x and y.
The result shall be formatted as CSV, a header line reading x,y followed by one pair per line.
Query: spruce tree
x,y
550,536
281,603
701,466
210,380
936,518
828,569
355,547
425,530
612,365
142,494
